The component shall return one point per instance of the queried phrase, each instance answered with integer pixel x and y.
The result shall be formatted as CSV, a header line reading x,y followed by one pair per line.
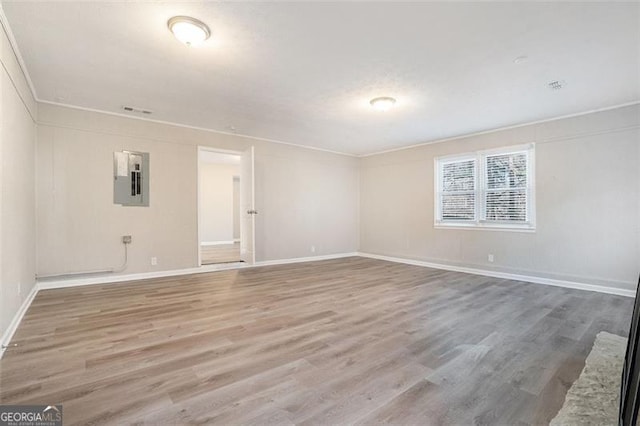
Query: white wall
x,y
216,194
17,176
588,203
304,197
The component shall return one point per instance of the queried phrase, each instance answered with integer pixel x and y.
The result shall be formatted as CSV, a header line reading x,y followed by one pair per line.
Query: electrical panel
x,y
131,178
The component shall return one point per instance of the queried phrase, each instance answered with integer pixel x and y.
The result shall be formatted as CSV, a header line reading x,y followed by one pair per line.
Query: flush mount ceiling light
x,y
189,31
384,103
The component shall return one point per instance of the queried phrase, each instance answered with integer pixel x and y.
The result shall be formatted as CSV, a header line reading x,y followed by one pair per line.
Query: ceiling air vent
x,y
557,84
138,110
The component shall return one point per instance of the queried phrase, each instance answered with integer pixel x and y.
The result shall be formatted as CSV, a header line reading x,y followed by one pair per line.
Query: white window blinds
x,y
506,187
486,189
458,193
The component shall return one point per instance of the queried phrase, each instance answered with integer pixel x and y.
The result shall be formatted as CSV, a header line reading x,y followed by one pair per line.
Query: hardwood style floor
x,y
222,253
342,341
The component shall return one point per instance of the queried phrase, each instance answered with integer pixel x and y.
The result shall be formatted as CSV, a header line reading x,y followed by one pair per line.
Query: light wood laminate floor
x,y
342,341
220,253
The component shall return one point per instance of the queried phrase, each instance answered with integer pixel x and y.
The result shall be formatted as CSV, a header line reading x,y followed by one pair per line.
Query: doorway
x,y
219,207
225,206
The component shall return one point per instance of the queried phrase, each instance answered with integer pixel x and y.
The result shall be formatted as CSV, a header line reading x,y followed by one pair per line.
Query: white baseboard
x,y
108,279
506,275
218,243
305,259
17,318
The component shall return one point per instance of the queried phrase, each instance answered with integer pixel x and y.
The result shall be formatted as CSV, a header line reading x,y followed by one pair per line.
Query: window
x,y
486,189
458,196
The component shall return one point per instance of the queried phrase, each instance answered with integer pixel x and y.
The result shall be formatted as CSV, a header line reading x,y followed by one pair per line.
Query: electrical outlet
x,y
154,261
313,249
490,258
126,239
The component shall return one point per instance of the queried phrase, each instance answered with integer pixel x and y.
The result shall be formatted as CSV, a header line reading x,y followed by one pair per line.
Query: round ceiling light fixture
x,y
384,103
189,31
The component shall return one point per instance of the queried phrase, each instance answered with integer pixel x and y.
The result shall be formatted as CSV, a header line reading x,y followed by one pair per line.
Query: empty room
x,y
331,213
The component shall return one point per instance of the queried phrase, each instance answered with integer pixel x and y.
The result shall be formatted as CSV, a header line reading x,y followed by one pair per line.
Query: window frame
x,y
480,222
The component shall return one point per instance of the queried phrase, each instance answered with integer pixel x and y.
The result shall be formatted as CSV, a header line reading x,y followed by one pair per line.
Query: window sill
x,y
486,227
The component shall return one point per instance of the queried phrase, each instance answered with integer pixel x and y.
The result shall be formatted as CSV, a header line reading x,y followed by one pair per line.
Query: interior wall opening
x,y
219,207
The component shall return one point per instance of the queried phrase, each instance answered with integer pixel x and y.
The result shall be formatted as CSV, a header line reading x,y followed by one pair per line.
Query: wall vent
x,y
557,84
138,110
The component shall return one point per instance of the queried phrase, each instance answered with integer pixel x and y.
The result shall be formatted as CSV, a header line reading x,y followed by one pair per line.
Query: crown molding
x,y
187,126
16,51
499,129
6,28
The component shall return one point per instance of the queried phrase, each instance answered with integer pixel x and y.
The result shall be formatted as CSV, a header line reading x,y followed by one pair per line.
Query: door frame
x,y
204,148
248,186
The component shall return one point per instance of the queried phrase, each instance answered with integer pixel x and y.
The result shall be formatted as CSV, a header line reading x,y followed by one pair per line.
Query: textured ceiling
x,y
304,73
